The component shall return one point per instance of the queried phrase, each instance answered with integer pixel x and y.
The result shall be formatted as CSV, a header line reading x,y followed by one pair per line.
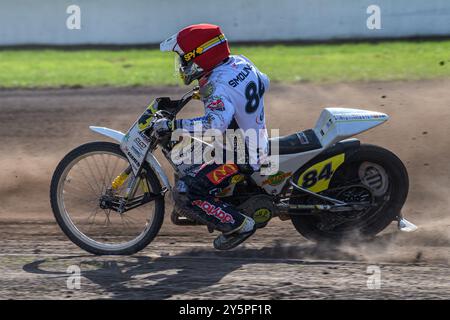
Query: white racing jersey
x,y
233,95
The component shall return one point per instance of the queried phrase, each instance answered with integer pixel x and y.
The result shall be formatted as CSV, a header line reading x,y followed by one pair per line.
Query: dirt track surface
x,y
38,127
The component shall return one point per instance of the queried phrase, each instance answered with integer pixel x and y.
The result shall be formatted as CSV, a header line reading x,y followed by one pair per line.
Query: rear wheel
x,y
83,201
371,174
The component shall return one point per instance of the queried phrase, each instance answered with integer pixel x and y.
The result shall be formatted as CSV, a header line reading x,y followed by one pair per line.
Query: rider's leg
x,y
202,188
180,214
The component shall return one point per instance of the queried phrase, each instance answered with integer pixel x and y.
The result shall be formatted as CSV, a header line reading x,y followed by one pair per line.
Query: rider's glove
x,y
163,127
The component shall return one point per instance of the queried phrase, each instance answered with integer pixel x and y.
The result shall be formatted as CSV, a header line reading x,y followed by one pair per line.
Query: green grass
x,y
314,63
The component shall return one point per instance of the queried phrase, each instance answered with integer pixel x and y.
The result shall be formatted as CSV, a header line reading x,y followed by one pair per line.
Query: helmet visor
x,y
187,71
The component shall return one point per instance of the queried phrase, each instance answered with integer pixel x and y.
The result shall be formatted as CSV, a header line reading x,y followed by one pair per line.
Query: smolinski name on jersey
x,y
241,76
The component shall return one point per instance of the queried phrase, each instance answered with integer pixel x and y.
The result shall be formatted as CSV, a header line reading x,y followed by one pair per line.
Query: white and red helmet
x,y
200,48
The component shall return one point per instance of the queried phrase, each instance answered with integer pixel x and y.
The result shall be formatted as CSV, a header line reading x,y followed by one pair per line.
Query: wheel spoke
x,y
87,182
84,188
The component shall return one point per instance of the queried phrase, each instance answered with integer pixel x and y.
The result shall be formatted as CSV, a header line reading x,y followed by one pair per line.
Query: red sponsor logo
x,y
213,210
216,104
218,175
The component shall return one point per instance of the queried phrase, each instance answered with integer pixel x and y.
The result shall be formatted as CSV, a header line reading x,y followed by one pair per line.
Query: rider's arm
x,y
219,113
265,80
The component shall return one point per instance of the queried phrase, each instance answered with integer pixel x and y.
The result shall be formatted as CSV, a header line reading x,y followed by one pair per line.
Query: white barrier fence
x,y
66,22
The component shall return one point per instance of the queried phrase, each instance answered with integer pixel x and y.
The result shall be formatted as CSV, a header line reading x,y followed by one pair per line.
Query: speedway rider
x,y
232,90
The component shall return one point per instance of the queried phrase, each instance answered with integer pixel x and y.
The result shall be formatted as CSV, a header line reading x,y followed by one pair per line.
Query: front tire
x,y
391,199
77,186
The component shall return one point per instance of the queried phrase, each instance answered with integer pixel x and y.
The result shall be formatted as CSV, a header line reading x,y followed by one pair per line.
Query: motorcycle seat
x,y
298,142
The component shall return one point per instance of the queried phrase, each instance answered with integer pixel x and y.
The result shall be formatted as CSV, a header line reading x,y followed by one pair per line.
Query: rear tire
x,y
72,232
308,225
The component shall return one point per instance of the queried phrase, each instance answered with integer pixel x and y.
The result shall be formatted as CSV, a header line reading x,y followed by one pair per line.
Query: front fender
x,y
110,133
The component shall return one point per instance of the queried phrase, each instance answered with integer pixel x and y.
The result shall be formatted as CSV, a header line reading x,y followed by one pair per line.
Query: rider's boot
x,y
227,241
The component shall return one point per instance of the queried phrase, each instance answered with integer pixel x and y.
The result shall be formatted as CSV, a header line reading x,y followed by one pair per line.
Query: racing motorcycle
x,y
109,198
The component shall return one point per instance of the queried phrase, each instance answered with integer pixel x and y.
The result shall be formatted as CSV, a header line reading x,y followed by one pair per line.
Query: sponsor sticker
x,y
136,152
276,178
237,178
359,116
135,161
146,118
135,146
221,173
261,215
326,127
302,137
215,103
192,54
213,210
140,144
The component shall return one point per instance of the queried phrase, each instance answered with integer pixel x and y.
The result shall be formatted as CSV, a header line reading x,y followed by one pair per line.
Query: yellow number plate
x,y
317,178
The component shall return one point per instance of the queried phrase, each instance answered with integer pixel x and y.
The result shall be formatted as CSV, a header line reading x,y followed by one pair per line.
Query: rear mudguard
x,y
316,174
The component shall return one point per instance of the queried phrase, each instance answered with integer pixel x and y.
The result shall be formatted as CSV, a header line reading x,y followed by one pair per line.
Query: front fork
x,y
133,184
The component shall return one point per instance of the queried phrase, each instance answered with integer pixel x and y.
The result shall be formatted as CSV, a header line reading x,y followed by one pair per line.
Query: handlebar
x,y
172,107
168,108
188,96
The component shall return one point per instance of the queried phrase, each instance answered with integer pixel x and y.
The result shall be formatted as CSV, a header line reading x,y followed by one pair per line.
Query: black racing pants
x,y
202,188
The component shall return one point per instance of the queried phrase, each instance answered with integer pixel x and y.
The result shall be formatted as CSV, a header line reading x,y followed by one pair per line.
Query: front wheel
x,y
371,174
85,205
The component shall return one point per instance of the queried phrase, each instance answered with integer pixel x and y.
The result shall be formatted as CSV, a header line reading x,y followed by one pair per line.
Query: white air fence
x,y
67,22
